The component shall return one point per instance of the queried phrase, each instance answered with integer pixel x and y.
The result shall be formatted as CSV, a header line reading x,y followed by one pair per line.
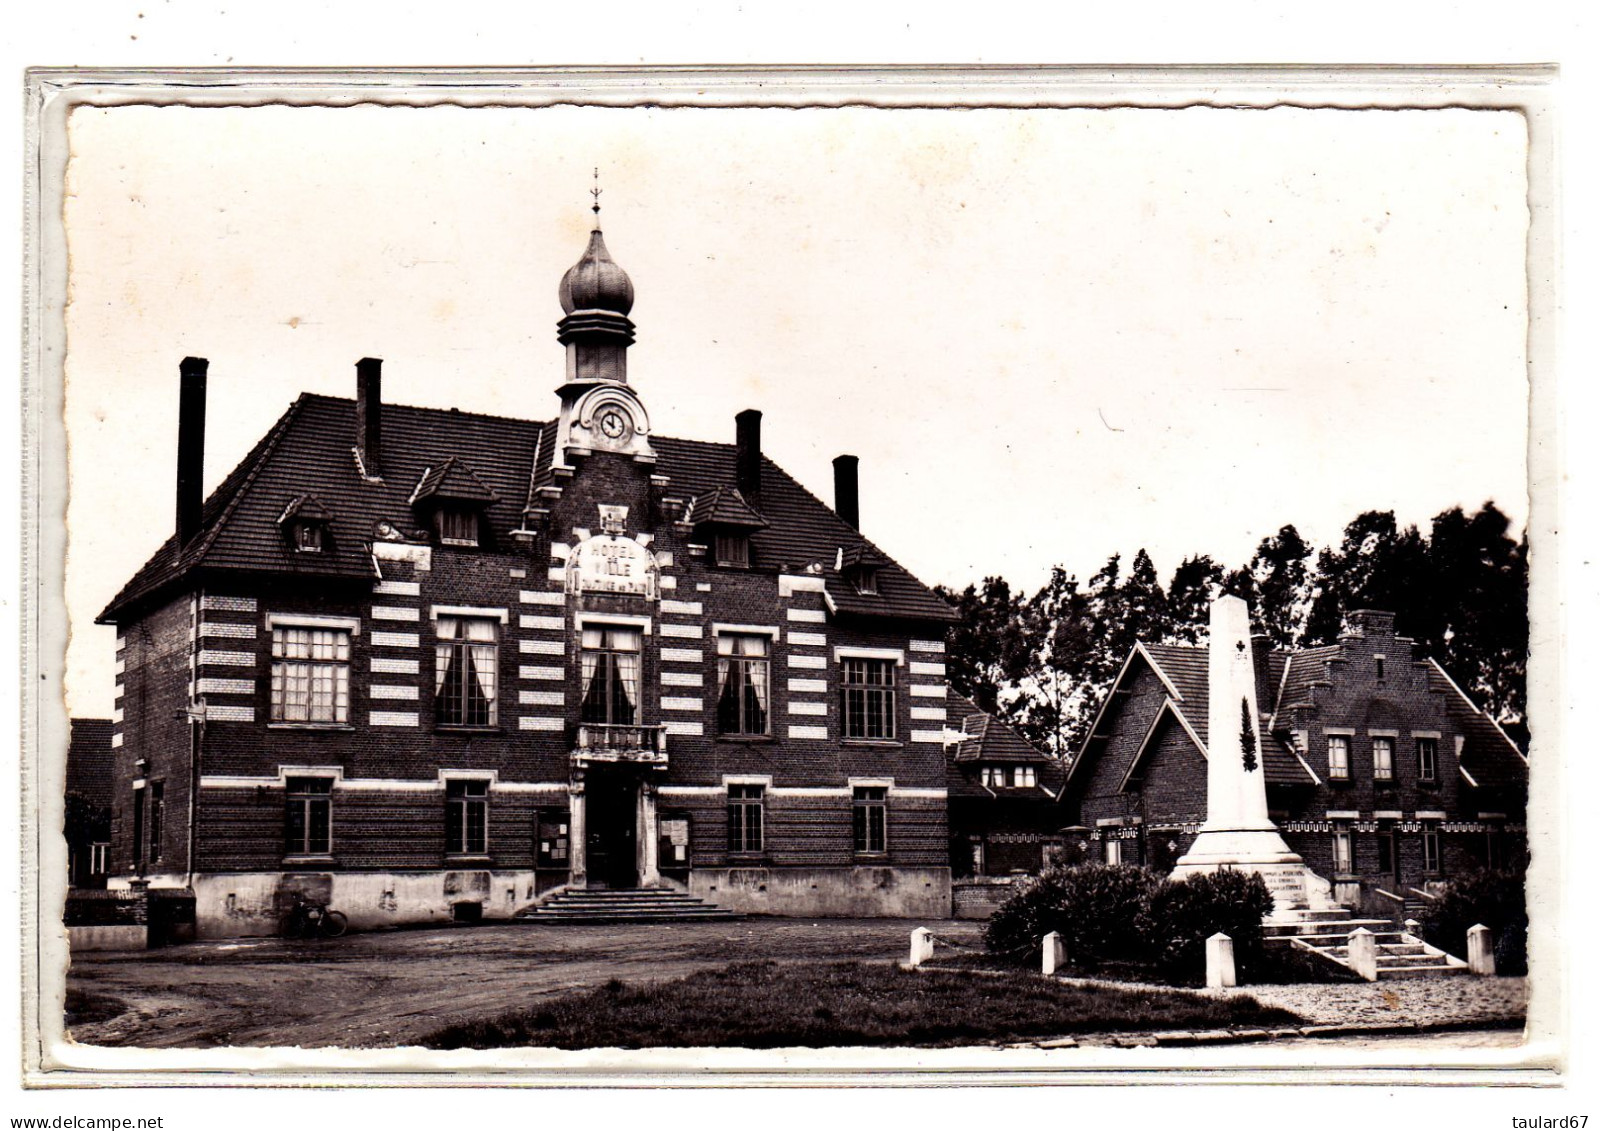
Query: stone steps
x,y
625,906
1397,954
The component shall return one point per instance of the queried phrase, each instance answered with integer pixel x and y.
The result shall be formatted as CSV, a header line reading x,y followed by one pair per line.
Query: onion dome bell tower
x,y
599,409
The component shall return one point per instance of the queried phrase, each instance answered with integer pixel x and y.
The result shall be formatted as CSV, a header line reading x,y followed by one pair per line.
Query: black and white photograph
x,y
630,578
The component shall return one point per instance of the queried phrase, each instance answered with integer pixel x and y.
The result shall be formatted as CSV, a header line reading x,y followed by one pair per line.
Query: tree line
x,y
1044,661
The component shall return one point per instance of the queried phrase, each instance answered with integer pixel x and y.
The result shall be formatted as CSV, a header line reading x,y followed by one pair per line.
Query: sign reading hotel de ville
x,y
611,562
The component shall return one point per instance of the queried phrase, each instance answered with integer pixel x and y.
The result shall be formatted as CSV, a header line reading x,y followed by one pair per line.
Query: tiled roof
x,y
724,506
1307,666
453,479
1488,755
989,741
1187,668
90,759
310,451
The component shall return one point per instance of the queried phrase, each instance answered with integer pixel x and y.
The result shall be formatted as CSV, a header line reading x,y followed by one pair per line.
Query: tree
x,y
987,650
1281,580
1196,583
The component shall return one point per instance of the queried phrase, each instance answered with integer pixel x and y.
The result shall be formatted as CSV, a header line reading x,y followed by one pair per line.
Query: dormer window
x,y
725,522
308,537
457,526
456,499
305,523
859,566
865,581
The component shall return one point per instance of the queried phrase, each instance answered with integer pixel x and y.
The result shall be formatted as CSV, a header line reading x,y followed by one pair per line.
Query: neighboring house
x,y
87,822
424,663
1381,773
1005,816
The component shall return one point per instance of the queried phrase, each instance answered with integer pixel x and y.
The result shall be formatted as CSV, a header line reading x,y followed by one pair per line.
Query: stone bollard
x,y
1055,953
1363,953
921,947
1413,928
1219,962
1480,951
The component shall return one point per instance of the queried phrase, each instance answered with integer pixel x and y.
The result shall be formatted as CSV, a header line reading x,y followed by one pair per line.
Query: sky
x,y
1049,335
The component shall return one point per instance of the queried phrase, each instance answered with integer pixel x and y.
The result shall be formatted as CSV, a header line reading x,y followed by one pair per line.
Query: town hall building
x,y
424,664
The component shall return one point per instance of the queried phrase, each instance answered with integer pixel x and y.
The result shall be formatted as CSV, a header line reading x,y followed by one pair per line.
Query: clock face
x,y
613,423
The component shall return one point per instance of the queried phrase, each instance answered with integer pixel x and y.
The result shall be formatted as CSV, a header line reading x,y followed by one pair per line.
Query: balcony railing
x,y
606,742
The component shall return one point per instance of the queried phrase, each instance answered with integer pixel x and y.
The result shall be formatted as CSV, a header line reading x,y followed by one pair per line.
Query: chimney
x,y
191,445
369,415
1261,655
846,490
748,426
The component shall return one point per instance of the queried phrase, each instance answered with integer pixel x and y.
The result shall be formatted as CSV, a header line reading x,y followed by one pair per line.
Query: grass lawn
x,y
764,1005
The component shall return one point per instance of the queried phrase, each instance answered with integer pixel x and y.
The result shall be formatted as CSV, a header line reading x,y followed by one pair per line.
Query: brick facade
x,y
198,628
1141,777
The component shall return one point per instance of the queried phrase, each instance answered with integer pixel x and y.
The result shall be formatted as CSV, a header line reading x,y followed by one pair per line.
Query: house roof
x,y
988,741
90,759
309,450
725,506
453,480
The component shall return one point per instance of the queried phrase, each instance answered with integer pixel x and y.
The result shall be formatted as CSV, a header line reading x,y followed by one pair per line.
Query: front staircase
x,y
643,905
1327,934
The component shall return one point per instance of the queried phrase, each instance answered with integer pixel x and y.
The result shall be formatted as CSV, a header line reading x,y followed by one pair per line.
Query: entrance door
x,y
613,854
1388,859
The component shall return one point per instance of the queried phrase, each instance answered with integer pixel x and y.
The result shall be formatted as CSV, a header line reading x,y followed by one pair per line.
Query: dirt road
x,y
387,988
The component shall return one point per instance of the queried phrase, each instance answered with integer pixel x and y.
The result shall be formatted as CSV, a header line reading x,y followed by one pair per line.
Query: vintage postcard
x,y
898,575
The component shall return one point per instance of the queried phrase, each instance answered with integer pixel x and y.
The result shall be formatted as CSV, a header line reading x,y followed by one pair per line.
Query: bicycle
x,y
311,920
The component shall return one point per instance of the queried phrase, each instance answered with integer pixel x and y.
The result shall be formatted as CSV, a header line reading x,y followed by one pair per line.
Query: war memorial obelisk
x,y
1237,833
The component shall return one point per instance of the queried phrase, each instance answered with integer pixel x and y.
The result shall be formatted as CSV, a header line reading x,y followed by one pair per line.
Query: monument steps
x,y
1398,954
644,905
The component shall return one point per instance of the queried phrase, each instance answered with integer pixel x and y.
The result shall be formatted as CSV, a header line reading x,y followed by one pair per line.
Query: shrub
x,y
1095,908
1498,900
1179,916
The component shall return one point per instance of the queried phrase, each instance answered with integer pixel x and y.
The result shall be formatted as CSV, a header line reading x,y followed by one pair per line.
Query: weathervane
x,y
595,192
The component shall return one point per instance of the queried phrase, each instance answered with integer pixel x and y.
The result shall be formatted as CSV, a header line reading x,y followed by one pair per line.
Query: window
x,y
732,549
308,537
1430,849
1113,851
743,676
458,526
1386,851
466,818
310,675
1343,862
611,674
745,817
871,819
868,698
865,580
98,853
308,819
466,663
994,776
158,803
1023,777
1377,664
1382,759
1339,757
1427,759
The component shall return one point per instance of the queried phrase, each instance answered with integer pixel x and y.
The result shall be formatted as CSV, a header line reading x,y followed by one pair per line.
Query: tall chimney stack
x,y
748,474
369,415
847,490
191,445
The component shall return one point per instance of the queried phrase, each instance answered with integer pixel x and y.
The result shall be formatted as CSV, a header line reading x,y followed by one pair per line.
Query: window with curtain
x,y
744,683
466,818
1430,849
466,658
1343,860
308,818
611,674
868,691
1339,756
310,675
1383,759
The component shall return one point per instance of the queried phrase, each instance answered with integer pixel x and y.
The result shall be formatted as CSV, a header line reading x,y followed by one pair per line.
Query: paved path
x,y
1459,1000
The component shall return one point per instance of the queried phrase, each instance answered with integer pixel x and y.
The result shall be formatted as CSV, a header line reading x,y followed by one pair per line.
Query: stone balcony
x,y
610,743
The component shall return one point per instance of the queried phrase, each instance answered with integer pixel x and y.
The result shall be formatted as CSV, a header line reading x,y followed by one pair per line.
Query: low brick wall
x,y
854,893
